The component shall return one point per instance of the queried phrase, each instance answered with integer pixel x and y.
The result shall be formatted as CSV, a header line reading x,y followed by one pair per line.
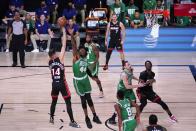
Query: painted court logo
x,y
192,11
151,40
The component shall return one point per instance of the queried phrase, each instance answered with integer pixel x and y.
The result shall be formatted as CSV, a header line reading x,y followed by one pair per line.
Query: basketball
x,y
166,13
61,21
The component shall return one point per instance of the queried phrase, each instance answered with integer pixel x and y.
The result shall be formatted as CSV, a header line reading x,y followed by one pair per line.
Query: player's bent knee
x,y
54,97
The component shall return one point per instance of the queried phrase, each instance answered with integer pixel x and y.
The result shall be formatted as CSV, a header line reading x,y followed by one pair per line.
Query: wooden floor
x,y
25,93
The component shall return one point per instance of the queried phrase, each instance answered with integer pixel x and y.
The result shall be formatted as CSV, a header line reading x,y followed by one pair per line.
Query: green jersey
x,y
149,4
130,10
121,85
137,21
126,111
79,68
129,94
91,57
182,21
118,10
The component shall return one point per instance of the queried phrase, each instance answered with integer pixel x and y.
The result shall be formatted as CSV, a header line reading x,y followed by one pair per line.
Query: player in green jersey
x,y
93,62
123,107
125,85
82,83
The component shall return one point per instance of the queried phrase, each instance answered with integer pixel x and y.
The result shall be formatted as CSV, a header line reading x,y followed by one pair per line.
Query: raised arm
x,y
117,108
96,50
63,41
74,48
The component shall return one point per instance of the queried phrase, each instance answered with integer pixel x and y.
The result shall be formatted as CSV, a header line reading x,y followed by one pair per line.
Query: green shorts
x,y
129,94
82,85
129,125
94,69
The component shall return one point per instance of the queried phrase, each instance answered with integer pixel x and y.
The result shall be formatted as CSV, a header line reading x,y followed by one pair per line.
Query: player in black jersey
x,y
59,84
117,36
153,126
147,93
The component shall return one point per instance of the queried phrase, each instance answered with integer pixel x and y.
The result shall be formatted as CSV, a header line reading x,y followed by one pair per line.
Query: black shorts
x,y
147,94
115,44
60,87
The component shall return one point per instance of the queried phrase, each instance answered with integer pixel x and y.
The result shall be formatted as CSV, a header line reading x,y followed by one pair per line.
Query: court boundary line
x,y
191,67
1,108
102,65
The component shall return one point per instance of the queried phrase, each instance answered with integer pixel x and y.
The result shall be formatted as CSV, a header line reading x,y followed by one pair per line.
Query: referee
x,y
19,39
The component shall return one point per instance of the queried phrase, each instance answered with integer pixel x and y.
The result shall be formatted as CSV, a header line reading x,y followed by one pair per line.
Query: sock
x,y
109,52
123,63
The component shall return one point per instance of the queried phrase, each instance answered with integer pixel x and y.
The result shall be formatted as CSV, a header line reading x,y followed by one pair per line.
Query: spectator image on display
x,y
130,9
149,4
73,29
42,10
69,12
42,33
53,7
119,9
80,6
137,20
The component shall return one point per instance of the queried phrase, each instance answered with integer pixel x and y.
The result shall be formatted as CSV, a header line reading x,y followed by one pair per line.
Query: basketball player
x,y
59,84
147,93
82,83
124,110
93,62
117,36
125,85
153,126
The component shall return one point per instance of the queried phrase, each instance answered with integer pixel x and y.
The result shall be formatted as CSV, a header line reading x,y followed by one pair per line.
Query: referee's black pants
x,y
18,46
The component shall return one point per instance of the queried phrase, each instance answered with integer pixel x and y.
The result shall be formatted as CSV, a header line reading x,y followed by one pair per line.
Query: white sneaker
x,y
47,50
101,95
7,50
35,50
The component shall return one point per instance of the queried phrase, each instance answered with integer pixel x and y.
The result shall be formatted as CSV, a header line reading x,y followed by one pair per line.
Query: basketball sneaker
x,y
112,120
96,120
101,95
88,122
105,67
173,119
52,119
74,124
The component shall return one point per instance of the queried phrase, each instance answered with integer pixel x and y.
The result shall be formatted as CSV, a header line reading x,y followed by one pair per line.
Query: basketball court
x,y
25,93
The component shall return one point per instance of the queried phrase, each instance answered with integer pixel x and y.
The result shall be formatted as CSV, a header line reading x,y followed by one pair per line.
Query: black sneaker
x,y
112,120
14,65
88,123
23,66
96,120
105,67
52,119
